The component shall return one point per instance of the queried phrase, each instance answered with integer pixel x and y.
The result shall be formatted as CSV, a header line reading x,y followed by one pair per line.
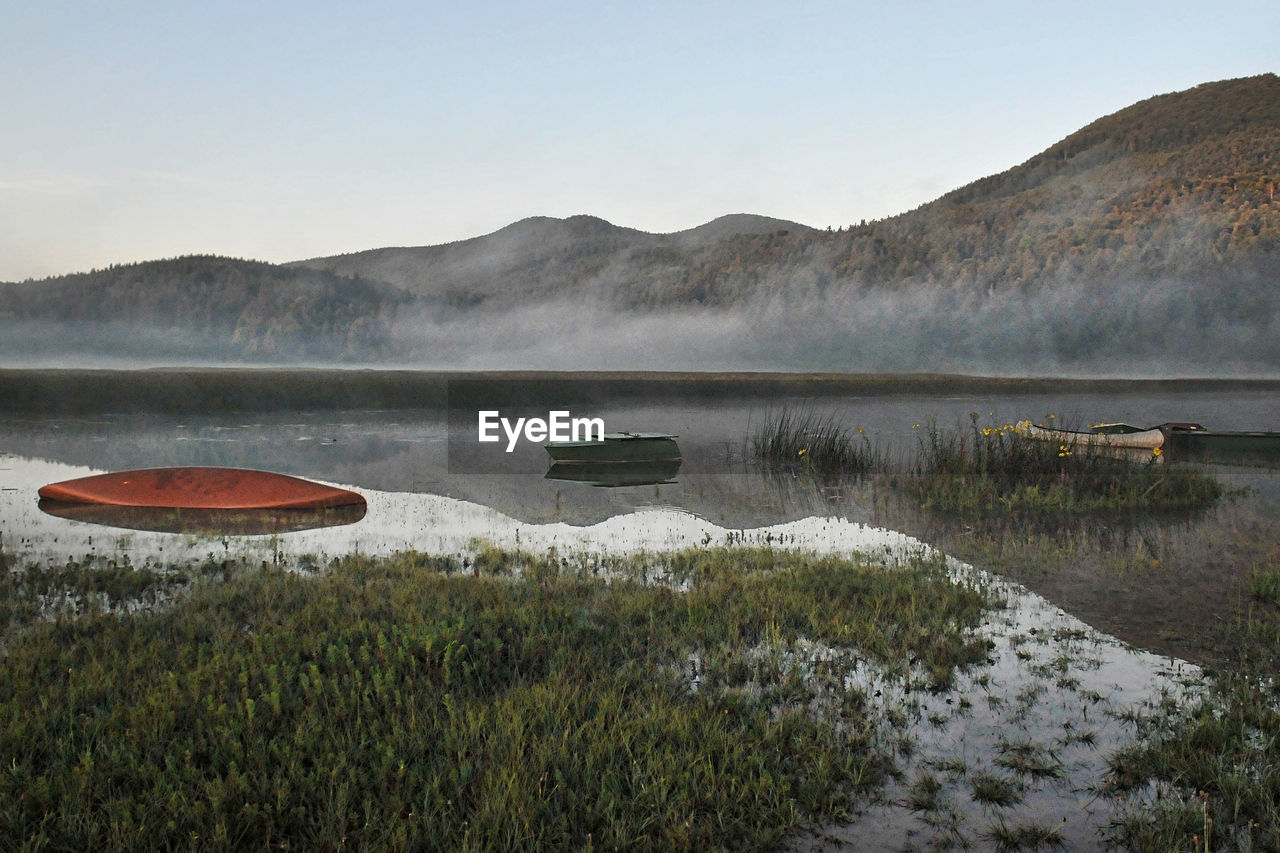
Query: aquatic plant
x,y
804,441
1216,765
33,592
999,470
1024,836
994,790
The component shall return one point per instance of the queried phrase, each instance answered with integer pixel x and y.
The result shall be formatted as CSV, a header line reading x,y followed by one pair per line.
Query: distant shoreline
x,y
228,389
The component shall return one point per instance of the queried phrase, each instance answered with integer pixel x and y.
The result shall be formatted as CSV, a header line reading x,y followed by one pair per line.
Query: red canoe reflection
x,y
207,522
200,488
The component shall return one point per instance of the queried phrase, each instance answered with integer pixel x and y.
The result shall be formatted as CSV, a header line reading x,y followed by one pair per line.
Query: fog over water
x,y
626,317
1150,330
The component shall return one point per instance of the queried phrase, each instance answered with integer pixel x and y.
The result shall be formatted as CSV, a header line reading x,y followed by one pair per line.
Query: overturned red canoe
x,y
200,488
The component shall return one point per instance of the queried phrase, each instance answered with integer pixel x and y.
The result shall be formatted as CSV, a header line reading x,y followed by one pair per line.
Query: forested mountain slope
x,y
201,308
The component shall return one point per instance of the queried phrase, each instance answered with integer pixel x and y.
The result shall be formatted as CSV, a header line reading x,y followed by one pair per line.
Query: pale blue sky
x,y
286,130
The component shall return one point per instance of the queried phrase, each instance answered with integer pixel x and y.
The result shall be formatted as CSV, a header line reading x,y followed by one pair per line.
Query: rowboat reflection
x,y
645,472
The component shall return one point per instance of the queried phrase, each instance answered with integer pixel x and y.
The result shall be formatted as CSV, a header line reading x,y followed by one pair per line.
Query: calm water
x,y
415,450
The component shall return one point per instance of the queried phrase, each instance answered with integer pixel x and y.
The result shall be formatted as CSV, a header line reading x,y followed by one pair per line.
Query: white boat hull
x,y
1147,438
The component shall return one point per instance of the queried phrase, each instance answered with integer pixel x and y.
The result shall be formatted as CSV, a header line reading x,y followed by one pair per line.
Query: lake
x,y
64,424
1158,584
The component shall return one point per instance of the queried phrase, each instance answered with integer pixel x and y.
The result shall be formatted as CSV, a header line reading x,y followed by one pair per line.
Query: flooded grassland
x,y
732,655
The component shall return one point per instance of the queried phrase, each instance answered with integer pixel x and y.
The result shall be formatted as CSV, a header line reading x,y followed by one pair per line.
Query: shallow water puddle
x,y
1018,746
1018,749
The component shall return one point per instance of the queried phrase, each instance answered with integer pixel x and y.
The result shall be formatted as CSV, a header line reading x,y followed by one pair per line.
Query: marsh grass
x,y
419,703
925,794
802,441
993,790
1216,761
1265,585
30,592
981,471
987,473
1219,759
1029,759
1024,836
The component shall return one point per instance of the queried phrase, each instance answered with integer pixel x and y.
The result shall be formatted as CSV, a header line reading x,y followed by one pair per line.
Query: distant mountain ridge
x,y
1147,241
1174,187
534,258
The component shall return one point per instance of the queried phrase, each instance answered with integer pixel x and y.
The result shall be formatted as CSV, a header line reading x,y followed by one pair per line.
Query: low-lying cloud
x,y
1157,329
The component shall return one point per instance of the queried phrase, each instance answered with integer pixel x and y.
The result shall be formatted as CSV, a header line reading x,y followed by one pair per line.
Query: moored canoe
x,y
1146,438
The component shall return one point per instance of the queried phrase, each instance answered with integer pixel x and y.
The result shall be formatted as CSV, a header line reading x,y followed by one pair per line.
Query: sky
x,y
289,130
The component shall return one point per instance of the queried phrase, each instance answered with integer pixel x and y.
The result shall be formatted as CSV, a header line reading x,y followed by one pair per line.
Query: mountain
x,y
1176,187
1148,242
536,258
201,308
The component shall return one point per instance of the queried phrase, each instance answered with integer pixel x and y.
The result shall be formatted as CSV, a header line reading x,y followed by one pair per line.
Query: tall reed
x,y
805,441
1001,470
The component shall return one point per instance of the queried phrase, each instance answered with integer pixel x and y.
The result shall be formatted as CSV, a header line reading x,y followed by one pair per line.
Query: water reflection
x,y
1252,449
614,474
206,522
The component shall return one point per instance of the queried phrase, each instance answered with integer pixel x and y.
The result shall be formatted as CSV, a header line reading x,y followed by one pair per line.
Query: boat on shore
x,y
617,447
1103,435
1179,440
196,487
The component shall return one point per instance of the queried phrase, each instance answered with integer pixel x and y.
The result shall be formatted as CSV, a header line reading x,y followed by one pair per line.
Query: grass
x,y
987,472
803,441
992,790
1265,585
30,592
1216,761
1029,759
999,470
417,703
925,794
1220,762
1024,836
